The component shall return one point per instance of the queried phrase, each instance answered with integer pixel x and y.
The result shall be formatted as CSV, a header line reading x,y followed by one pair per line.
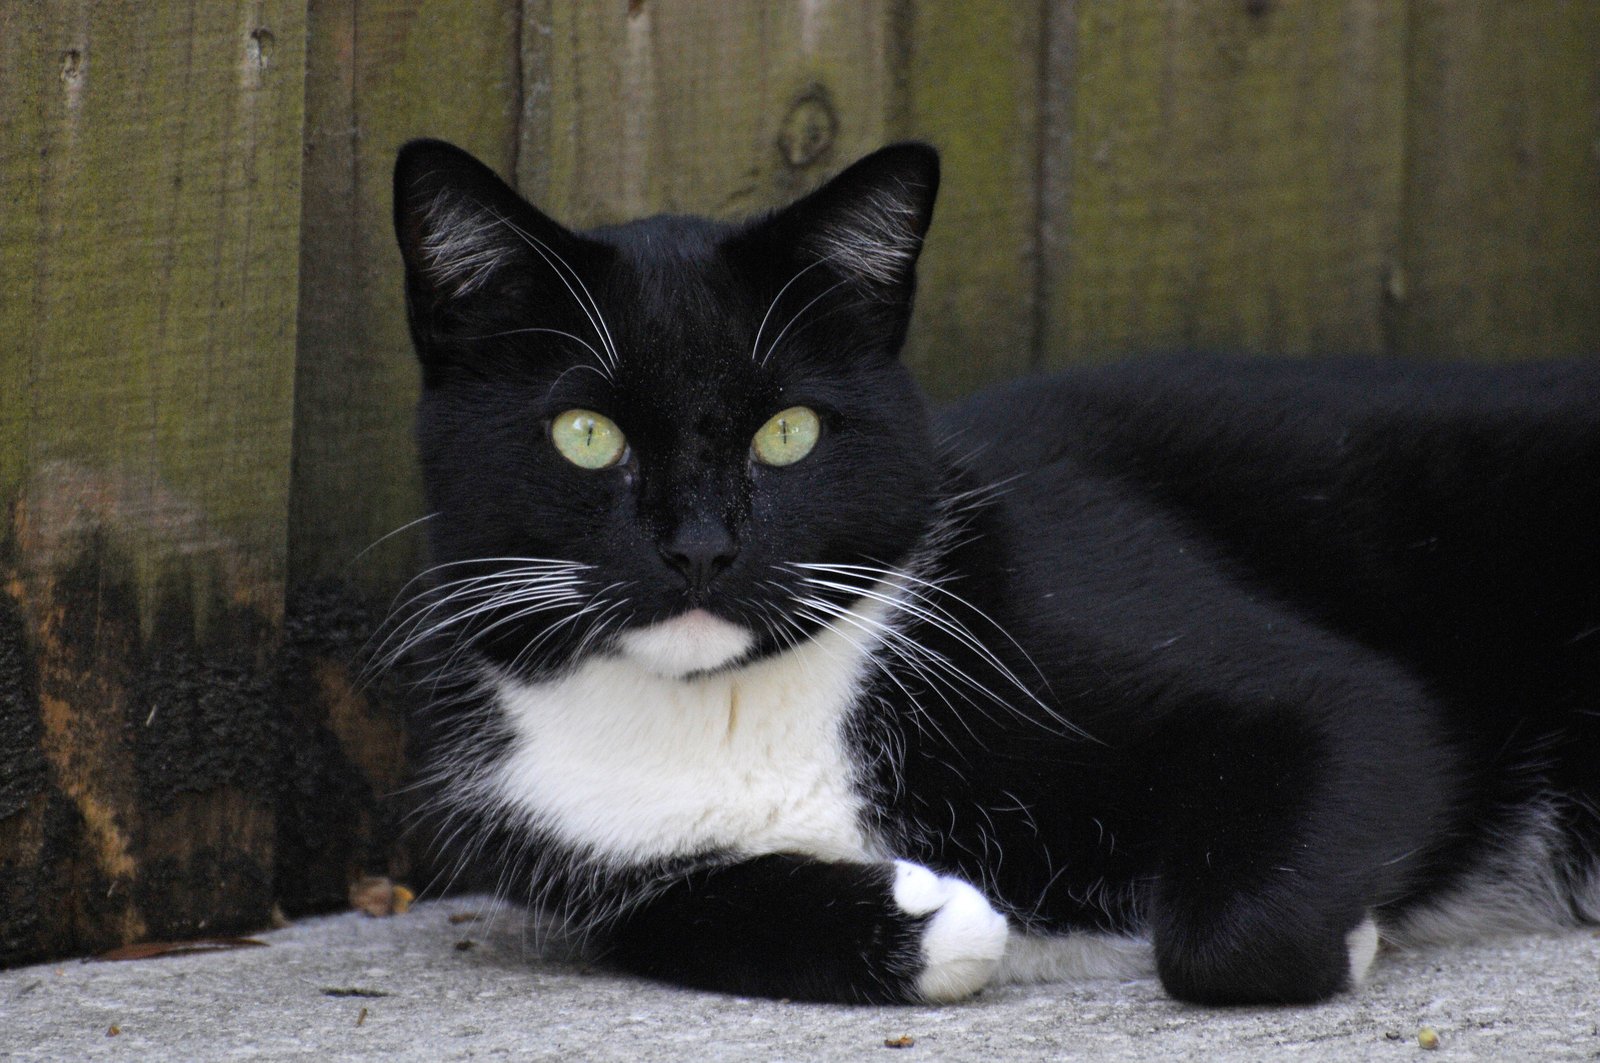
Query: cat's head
x,y
634,438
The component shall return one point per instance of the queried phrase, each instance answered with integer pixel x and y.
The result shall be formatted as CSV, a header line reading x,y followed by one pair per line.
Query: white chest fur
x,y
627,766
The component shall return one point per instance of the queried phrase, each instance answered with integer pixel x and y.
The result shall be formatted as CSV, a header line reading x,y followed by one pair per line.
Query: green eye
x,y
587,439
788,437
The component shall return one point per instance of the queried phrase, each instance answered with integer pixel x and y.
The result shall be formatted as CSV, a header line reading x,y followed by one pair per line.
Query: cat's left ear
x,y
865,226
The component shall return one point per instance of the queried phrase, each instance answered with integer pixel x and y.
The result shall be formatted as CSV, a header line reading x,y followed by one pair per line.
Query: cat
x,y
772,681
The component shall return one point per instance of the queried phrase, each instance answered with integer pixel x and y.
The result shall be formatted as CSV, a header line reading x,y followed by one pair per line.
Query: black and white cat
x,y
776,683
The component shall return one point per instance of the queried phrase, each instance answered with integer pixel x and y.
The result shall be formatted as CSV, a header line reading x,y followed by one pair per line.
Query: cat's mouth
x,y
689,644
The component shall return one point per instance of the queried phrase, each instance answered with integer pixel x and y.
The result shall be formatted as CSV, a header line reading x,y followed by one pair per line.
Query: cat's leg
x,y
789,926
1259,947
1287,829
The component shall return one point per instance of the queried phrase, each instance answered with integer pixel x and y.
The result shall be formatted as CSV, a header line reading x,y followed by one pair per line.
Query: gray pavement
x,y
1515,998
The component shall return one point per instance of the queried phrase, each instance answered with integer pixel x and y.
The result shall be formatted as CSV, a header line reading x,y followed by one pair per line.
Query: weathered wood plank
x,y
379,72
1235,177
726,109
376,78
1502,204
697,105
971,81
150,258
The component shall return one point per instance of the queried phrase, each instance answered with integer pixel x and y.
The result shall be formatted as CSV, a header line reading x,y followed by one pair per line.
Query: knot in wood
x,y
808,130
259,47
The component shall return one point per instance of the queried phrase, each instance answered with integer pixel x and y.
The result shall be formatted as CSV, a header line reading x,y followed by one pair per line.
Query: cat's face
x,y
634,440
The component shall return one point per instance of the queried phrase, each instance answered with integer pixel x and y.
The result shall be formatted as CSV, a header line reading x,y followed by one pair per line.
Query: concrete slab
x,y
1517,998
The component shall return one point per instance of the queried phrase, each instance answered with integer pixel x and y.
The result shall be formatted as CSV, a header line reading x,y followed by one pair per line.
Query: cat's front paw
x,y
963,938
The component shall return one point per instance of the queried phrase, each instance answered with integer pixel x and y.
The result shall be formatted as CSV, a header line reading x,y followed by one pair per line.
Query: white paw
x,y
1362,944
962,943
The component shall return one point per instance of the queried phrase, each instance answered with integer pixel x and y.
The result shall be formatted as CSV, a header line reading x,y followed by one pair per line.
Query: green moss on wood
x,y
1235,178
683,106
159,246
973,90
378,74
1501,244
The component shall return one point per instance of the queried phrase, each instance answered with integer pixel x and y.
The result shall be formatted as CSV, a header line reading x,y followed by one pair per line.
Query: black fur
x,y
780,926
1265,646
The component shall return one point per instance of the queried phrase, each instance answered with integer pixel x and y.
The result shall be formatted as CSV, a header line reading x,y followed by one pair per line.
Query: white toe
x,y
916,889
1362,945
962,944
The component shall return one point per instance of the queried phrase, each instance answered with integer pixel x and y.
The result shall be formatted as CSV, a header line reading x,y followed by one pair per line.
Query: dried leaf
x,y
457,918
379,896
147,950
903,1041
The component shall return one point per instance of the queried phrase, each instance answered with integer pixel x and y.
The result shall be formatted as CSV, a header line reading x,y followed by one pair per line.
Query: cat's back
x,y
1445,512
1157,416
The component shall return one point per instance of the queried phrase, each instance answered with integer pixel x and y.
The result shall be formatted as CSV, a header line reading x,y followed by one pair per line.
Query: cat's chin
x,y
687,645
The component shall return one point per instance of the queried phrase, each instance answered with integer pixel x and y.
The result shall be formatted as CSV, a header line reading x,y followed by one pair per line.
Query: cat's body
x,y
1214,660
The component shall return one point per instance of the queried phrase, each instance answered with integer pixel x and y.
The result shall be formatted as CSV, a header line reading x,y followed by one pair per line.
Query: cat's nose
x,y
700,550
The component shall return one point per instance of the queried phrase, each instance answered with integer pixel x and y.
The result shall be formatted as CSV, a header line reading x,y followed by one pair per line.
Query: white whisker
x,y
920,605
586,302
790,323
756,346
390,535
552,331
902,649
454,606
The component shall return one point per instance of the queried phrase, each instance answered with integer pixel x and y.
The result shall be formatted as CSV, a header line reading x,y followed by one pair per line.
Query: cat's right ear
x,y
472,246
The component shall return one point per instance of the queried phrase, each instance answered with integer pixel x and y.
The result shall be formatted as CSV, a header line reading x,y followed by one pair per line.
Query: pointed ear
x,y
868,223
469,241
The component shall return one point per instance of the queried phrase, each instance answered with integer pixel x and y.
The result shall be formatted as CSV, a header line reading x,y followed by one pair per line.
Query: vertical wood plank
x,y
726,109
379,72
1502,200
698,106
972,88
151,291
150,258
1235,177
376,78
22,31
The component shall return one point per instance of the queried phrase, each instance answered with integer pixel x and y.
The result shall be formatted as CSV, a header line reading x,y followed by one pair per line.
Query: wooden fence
x,y
206,382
